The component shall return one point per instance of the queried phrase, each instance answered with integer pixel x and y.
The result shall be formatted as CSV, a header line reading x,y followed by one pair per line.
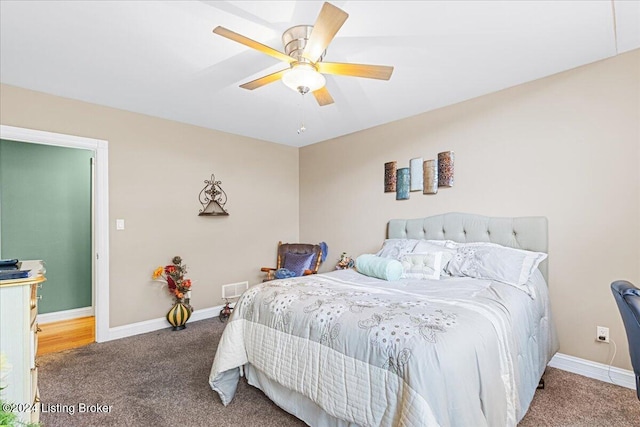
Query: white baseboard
x,y
160,323
57,316
595,370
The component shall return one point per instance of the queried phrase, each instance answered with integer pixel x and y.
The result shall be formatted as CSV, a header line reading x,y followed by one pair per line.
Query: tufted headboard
x,y
528,233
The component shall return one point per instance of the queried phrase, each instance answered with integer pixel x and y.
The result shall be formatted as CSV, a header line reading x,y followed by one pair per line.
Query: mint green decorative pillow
x,y
381,268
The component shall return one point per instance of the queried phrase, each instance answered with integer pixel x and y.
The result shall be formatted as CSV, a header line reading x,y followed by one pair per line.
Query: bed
x,y
347,349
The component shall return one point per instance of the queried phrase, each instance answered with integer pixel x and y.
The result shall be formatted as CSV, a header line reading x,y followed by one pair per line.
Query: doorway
x,y
45,214
99,250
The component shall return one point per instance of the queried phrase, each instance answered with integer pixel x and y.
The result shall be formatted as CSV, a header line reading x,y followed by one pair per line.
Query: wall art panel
x,y
416,174
430,177
390,177
445,169
402,186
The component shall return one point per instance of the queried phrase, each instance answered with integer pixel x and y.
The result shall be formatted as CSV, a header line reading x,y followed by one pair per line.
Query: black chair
x,y
627,297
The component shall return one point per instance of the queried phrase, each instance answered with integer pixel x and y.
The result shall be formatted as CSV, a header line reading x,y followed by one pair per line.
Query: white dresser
x,y
19,341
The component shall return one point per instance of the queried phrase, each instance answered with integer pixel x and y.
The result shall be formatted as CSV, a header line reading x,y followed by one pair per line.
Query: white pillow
x,y
436,246
396,248
422,266
446,243
495,262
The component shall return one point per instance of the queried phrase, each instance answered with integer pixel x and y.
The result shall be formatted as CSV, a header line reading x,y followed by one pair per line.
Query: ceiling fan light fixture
x,y
303,78
304,49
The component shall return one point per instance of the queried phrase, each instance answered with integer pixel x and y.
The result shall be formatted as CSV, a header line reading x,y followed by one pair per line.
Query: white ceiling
x,y
161,58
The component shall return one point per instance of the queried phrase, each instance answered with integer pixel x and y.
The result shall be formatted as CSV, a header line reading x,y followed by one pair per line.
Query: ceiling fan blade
x,y
381,72
327,25
221,31
265,80
323,96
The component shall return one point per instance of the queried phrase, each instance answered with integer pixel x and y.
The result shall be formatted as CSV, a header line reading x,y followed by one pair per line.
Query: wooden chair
x,y
297,249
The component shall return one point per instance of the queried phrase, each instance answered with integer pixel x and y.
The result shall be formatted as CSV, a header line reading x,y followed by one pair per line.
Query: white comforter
x,y
451,352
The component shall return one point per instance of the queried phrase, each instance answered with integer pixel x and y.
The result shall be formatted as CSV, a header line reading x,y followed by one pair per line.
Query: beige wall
x,y
566,147
156,170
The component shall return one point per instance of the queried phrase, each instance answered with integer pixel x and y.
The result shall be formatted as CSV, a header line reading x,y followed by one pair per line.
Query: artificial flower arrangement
x,y
173,275
345,262
9,417
6,417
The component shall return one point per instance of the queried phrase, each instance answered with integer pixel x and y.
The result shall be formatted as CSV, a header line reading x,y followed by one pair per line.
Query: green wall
x,y
45,213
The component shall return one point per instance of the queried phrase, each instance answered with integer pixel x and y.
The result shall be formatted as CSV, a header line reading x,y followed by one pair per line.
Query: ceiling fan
x,y
305,47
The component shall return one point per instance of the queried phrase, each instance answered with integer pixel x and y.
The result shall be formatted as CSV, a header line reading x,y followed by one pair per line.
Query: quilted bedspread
x,y
450,352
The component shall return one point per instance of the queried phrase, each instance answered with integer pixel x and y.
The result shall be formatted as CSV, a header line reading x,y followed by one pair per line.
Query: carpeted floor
x,y
161,379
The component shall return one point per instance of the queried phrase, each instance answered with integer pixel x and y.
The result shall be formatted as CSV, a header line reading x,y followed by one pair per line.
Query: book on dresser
x,y
19,338
14,274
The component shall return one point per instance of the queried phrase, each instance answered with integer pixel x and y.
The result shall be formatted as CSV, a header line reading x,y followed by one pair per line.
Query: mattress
x,y
345,349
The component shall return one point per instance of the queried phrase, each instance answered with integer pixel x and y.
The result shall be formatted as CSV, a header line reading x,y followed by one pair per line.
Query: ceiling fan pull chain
x,y
302,127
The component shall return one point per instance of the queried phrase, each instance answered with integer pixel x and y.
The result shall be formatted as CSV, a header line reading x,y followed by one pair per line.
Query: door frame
x,y
101,209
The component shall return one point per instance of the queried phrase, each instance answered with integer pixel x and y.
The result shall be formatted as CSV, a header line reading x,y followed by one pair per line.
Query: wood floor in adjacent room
x,y
66,334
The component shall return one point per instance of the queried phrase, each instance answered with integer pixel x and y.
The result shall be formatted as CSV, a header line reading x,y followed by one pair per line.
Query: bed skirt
x,y
291,401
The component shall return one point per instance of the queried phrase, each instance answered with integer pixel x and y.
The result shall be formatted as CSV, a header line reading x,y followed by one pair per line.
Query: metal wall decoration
x,y
445,169
425,175
416,174
390,177
212,198
430,177
402,186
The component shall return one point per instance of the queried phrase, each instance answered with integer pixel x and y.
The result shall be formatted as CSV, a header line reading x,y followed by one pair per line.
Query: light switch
x,y
119,224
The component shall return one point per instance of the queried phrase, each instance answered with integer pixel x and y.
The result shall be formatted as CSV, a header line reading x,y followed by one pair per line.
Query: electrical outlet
x,y
602,334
